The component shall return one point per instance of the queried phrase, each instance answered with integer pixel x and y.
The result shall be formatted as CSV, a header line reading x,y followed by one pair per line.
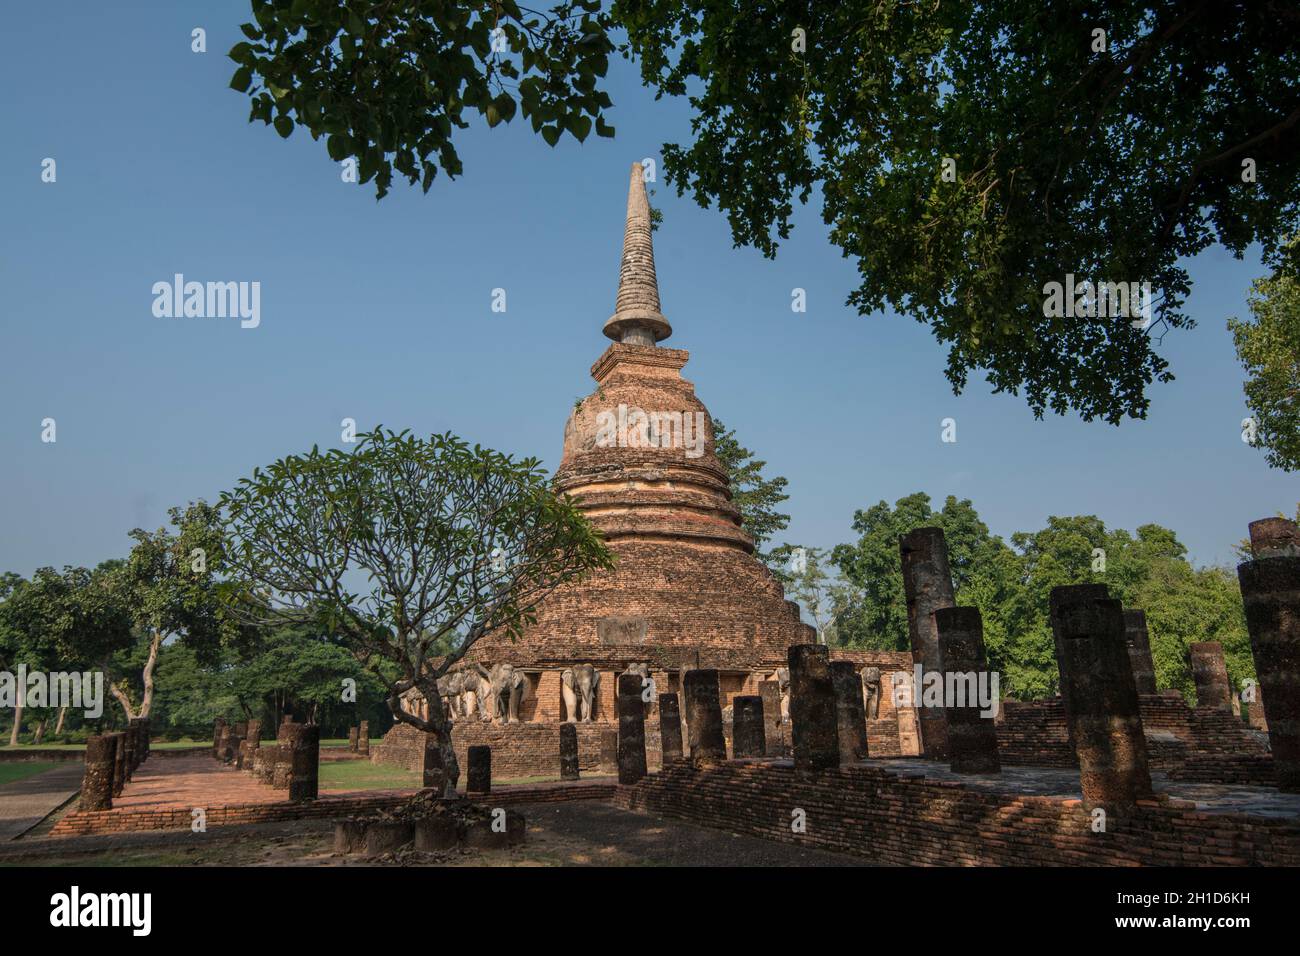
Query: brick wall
x,y
895,818
82,823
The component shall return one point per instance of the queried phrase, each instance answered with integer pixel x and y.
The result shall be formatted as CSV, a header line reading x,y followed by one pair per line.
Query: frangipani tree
x,y
409,549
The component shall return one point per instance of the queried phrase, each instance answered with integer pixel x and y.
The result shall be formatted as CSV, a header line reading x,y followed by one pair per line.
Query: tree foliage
x,y
1269,349
387,84
403,547
757,497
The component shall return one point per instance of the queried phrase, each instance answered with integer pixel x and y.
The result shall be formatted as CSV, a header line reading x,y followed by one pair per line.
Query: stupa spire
x,y
637,319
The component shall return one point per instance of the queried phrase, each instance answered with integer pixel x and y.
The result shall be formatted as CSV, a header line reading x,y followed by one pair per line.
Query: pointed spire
x,y
637,319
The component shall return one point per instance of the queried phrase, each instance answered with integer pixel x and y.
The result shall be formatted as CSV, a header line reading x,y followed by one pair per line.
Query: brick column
x,y
1102,706
1139,651
631,729
773,729
569,752
1058,599
927,585
1210,671
217,726
1270,589
363,738
119,762
748,738
479,777
850,711
97,784
670,728
813,724
305,782
972,736
435,775
282,769
252,743
353,733
708,744
609,749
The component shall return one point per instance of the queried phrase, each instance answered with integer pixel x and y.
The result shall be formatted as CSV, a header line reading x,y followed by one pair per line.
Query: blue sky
x,y
382,312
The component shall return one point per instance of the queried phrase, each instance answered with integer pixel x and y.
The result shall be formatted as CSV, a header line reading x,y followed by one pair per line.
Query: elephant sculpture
x,y
475,696
507,688
782,677
450,688
871,688
578,686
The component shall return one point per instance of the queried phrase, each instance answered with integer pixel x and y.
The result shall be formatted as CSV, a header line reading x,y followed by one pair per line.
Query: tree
x,y
387,83
1269,350
171,585
802,570
756,497
74,620
968,153
403,547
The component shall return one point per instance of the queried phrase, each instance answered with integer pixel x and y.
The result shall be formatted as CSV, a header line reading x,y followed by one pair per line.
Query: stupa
x,y
687,590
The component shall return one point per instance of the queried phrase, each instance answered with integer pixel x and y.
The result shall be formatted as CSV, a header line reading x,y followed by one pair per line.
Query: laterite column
x,y
927,585
569,752
748,738
1139,651
708,744
1210,671
972,735
850,711
631,729
304,784
97,784
813,724
670,728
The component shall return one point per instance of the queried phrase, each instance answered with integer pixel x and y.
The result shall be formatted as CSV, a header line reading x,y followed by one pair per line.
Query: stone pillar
x,y
435,774
1255,710
282,770
252,743
217,726
850,711
569,752
773,729
631,729
748,738
305,782
144,739
1102,705
1139,651
704,736
1270,590
479,777
609,749
119,762
1059,598
972,733
353,733
1210,671
927,585
128,744
814,731
97,784
670,728
363,738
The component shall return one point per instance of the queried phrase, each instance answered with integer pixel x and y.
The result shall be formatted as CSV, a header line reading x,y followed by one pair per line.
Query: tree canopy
x,y
967,153
756,496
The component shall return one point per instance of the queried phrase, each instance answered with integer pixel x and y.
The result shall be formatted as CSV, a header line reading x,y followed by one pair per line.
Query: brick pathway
x,y
26,802
192,781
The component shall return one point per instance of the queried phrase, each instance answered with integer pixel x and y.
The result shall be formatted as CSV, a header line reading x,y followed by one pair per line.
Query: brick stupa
x,y
687,590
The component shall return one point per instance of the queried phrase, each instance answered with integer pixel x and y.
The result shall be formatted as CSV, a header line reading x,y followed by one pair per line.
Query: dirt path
x,y
26,802
582,833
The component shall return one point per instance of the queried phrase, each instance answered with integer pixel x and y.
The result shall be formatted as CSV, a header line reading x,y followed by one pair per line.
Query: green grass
x,y
364,775
11,772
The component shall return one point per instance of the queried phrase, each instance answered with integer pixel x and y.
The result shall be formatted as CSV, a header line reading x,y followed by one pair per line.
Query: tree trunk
x,y
40,731
120,696
146,704
435,723
18,721
58,725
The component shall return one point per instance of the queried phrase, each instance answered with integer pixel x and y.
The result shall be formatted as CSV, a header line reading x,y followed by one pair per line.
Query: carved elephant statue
x,y
450,688
871,690
782,677
475,695
507,685
578,686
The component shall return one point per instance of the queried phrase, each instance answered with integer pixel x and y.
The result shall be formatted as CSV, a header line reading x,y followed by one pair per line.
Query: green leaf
x,y
551,134
283,126
242,79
